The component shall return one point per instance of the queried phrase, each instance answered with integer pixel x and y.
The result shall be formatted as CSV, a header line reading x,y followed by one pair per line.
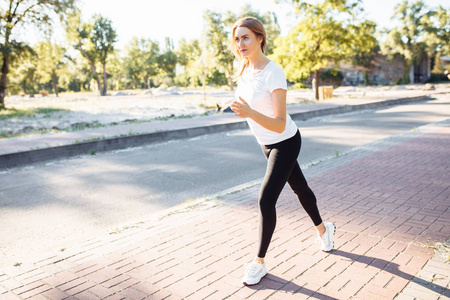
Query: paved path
x,y
390,201
41,147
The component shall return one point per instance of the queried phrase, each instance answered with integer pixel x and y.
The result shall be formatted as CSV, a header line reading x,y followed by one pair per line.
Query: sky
x,y
157,19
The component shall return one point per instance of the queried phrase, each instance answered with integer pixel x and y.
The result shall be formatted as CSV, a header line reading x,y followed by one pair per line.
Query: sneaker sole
x,y
249,284
332,246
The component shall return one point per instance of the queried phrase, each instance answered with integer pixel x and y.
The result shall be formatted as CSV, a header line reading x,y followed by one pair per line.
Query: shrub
x,y
331,76
435,78
366,78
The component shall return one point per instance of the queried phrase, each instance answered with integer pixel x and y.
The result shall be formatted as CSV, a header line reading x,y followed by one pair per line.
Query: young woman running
x,y
261,99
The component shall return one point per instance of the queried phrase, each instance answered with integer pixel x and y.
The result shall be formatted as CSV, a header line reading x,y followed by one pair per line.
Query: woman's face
x,y
248,44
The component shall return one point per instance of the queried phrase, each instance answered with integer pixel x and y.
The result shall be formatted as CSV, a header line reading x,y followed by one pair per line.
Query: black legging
x,y
282,167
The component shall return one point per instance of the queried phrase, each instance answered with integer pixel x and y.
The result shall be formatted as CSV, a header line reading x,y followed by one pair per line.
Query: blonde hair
x,y
258,29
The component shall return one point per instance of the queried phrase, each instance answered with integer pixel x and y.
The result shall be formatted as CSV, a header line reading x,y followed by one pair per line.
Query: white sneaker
x,y
254,272
326,240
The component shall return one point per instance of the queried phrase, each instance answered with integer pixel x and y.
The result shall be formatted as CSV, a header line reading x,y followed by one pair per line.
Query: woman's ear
x,y
260,39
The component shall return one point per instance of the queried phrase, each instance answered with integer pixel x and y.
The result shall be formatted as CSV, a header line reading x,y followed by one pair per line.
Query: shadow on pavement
x,y
272,282
389,267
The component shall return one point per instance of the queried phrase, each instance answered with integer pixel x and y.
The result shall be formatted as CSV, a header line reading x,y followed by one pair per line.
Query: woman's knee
x,y
267,205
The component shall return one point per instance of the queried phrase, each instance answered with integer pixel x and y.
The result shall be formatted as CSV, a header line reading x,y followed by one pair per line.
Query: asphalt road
x,y
49,206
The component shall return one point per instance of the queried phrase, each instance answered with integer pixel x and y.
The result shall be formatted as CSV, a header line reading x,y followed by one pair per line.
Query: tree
x,y
167,62
51,59
199,64
406,40
76,75
115,71
140,61
22,75
327,32
103,36
217,40
437,35
440,29
188,53
78,34
437,68
19,12
95,40
205,63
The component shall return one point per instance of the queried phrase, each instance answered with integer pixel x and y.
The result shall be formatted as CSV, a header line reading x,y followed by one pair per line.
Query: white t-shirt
x,y
257,90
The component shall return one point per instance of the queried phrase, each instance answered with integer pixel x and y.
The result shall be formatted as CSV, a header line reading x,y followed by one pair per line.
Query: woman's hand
x,y
242,109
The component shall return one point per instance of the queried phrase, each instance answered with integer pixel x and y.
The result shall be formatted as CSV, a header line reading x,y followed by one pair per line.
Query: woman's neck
x,y
258,62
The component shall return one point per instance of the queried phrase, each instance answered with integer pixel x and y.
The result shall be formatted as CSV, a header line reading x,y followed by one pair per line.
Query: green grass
x,y
11,113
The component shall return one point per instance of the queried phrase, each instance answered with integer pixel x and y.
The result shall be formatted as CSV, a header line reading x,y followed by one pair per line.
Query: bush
x,y
435,78
44,93
217,79
401,81
331,77
366,78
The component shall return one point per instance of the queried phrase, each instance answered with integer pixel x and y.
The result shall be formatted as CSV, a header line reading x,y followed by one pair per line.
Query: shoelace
x,y
252,268
320,240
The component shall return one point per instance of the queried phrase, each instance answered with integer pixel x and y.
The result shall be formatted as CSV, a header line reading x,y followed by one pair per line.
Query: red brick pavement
x,y
389,208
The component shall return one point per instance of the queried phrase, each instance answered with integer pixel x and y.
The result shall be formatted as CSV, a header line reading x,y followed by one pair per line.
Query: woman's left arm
x,y
277,123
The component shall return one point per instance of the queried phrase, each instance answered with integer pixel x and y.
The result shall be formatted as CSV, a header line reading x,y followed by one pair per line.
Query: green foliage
x,y
140,62
192,60
95,40
401,81
407,38
365,59
332,76
167,61
217,78
326,32
76,74
438,78
103,36
17,13
50,62
23,75
216,46
366,78
436,33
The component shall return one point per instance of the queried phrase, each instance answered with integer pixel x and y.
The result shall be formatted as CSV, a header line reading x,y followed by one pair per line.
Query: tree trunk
x,y
406,72
315,83
91,64
230,82
4,78
5,66
105,87
204,86
55,84
230,78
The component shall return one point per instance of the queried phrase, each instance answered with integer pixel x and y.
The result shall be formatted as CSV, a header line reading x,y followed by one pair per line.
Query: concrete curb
x,y
22,158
